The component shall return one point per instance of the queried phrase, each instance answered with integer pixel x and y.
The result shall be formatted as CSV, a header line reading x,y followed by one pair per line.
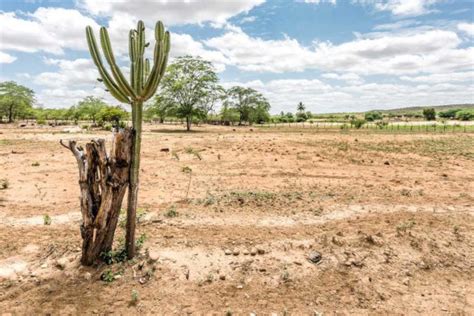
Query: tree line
x,y
189,91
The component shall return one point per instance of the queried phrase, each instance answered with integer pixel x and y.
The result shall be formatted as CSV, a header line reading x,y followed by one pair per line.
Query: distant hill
x,y
438,108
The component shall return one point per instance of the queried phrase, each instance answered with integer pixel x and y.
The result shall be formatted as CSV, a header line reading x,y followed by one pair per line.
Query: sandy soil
x,y
391,214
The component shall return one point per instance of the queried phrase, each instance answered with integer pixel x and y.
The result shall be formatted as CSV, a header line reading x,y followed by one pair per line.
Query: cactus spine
x,y
142,86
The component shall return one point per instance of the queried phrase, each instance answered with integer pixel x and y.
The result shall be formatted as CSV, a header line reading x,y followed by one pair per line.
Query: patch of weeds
x,y
175,155
285,275
210,277
186,169
194,152
108,276
35,164
189,171
210,199
140,241
343,146
405,192
4,184
134,297
405,226
457,232
247,196
120,253
171,212
47,219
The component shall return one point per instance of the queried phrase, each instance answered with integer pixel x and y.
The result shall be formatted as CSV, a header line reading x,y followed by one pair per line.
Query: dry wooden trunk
x,y
103,180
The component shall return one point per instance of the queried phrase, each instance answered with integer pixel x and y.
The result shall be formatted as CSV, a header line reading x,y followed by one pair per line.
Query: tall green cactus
x,y
142,86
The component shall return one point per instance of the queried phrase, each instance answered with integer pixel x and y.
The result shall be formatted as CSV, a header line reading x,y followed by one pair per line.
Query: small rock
x,y
165,150
61,263
315,257
87,276
236,252
406,281
44,266
240,286
222,276
261,251
153,256
245,252
375,240
253,251
227,252
387,163
298,263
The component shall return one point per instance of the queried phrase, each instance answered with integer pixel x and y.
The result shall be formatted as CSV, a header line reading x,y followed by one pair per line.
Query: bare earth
x,y
391,214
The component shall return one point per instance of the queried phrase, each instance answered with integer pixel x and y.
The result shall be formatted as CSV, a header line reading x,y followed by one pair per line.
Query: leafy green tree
x,y
90,107
73,114
188,84
301,107
373,116
300,113
465,115
15,100
449,114
159,108
229,115
429,114
251,105
113,114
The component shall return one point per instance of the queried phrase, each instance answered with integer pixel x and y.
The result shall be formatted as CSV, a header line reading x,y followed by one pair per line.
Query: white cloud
x,y
47,29
248,19
6,58
467,28
385,53
348,77
401,7
333,2
255,54
172,12
71,73
467,76
184,44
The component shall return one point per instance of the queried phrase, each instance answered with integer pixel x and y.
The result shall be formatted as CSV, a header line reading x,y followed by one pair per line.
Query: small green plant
x,y
456,229
209,200
35,164
41,121
358,123
140,241
192,151
134,297
108,276
47,219
189,171
4,184
120,253
285,275
175,155
171,212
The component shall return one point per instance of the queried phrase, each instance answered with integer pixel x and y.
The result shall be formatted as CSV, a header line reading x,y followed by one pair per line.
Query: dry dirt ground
x,y
391,214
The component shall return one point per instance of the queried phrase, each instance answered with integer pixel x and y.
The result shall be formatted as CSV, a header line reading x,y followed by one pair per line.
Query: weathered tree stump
x,y
103,180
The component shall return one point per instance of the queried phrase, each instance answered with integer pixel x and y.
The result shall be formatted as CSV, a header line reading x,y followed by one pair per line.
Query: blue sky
x,y
333,55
